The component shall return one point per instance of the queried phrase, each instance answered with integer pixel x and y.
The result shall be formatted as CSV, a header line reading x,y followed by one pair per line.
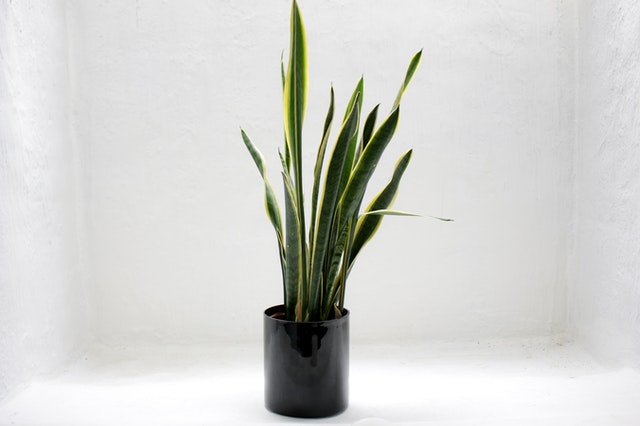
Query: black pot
x,y
306,365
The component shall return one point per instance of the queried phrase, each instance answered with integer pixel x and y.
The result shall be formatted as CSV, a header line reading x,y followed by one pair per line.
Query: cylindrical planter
x,y
306,365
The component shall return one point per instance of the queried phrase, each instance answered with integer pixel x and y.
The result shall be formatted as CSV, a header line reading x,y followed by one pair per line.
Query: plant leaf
x,y
294,267
283,74
357,185
351,158
358,92
388,212
317,171
336,258
283,162
369,126
271,203
295,96
413,65
368,223
340,239
295,99
443,219
287,152
328,208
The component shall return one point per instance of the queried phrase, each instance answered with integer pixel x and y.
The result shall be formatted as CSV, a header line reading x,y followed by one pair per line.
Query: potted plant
x,y
306,339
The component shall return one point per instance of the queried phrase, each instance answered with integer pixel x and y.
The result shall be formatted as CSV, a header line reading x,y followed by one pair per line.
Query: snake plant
x,y
316,255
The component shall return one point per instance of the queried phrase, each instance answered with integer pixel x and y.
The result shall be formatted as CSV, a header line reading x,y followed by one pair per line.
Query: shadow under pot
x,y
306,365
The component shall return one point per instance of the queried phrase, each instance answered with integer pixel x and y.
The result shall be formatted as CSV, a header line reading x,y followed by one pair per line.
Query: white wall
x,y
43,305
180,246
123,176
606,291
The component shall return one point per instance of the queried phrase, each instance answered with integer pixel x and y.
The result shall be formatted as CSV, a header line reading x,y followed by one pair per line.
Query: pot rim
x,y
280,308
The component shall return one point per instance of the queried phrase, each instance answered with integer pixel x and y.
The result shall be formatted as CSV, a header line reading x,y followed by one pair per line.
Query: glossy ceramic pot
x,y
306,365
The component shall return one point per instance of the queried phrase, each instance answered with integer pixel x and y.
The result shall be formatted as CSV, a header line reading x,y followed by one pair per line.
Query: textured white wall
x,y
180,246
606,292
43,304
509,140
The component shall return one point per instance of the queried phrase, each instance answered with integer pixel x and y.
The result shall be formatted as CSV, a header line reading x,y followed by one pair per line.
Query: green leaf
x,y
358,94
388,212
295,99
295,96
271,203
283,162
328,208
357,185
352,197
317,171
369,223
283,74
287,152
443,219
350,159
294,267
413,65
342,283
336,258
369,126
287,156
341,239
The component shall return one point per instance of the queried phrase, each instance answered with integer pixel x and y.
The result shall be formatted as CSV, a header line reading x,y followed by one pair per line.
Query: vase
x,y
306,365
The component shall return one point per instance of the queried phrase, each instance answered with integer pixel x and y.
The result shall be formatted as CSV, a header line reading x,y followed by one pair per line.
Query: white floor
x,y
533,382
